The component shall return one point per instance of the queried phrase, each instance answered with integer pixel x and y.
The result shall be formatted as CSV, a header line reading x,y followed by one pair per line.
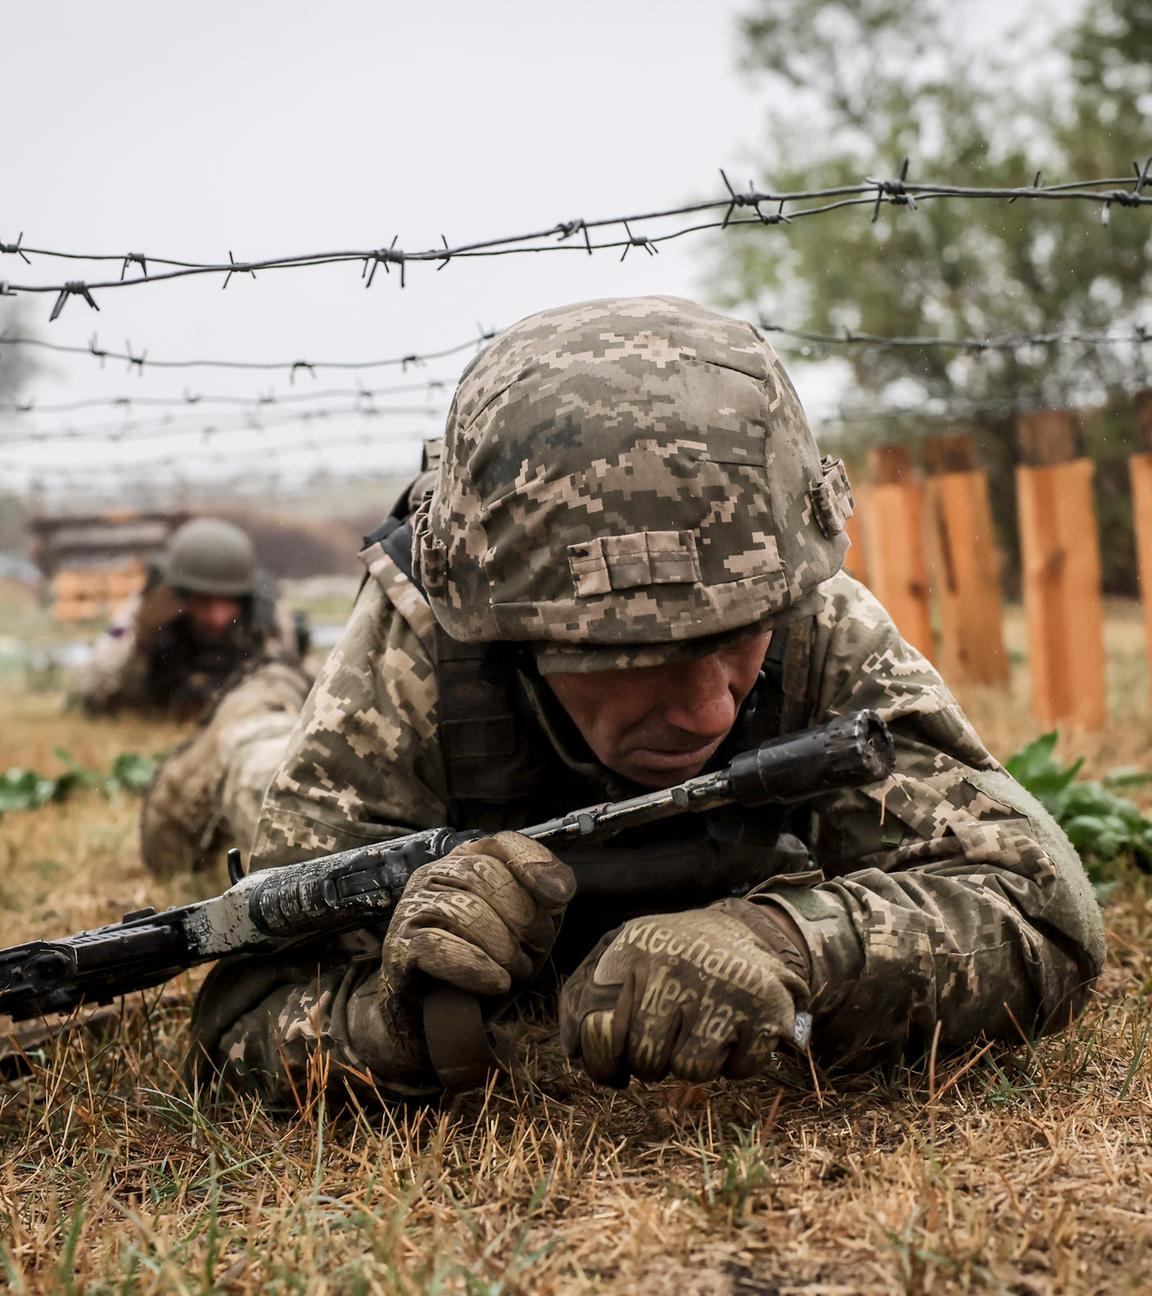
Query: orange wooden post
x,y
1060,560
966,563
896,567
856,564
1140,475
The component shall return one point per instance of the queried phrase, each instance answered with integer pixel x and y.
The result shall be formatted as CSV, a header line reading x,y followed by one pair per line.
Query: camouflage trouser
x,y
206,796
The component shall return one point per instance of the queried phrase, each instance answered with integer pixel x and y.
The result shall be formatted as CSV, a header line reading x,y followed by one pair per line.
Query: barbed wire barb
x,y
1036,184
237,268
75,288
135,361
14,249
892,191
1127,197
637,240
382,256
134,257
565,230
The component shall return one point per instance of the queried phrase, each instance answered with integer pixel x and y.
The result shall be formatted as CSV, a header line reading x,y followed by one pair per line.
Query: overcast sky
x,y
264,129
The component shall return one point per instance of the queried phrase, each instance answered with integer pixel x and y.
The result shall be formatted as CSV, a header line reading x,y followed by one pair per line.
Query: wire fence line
x,y
138,360
935,417
1137,335
577,235
169,428
175,489
262,400
235,458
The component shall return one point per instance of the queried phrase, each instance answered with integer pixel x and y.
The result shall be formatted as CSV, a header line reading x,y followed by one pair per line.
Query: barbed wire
x,y
1138,335
169,428
576,235
264,486
931,411
935,415
234,457
261,401
138,360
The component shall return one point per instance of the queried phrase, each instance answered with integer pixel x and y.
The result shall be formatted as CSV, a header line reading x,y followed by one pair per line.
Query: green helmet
x,y
210,556
625,482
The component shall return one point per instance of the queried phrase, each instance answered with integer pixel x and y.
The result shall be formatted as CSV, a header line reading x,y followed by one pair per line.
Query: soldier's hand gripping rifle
x,y
269,911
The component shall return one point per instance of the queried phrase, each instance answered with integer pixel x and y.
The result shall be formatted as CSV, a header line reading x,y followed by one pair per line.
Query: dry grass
x,y
1023,1171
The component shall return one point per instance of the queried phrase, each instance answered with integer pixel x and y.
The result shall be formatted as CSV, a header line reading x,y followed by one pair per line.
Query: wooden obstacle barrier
x,y
894,543
1140,476
856,563
88,593
1060,565
964,563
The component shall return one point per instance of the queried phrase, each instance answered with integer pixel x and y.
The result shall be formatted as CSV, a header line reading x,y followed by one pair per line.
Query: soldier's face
x,y
212,616
658,725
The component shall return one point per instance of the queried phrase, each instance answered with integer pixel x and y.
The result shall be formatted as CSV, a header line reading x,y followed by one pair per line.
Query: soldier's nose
x,y
699,699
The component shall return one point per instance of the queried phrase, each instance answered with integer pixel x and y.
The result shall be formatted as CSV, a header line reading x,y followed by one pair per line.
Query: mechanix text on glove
x,y
698,994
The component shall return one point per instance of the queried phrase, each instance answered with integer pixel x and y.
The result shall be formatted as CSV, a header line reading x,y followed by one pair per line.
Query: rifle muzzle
x,y
848,752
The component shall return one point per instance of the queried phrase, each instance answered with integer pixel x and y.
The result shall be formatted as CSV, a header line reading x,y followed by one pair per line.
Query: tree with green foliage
x,y
859,85
863,84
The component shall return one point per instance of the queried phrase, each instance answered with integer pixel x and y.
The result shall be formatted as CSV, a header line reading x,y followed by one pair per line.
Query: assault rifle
x,y
269,911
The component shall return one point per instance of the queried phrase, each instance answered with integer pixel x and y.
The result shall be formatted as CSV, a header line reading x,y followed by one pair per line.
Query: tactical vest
x,y
504,772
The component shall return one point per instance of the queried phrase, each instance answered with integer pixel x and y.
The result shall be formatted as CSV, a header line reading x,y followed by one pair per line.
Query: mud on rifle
x,y
271,910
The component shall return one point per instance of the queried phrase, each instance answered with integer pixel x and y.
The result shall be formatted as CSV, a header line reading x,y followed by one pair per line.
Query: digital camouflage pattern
x,y
623,481
627,474
206,795
944,898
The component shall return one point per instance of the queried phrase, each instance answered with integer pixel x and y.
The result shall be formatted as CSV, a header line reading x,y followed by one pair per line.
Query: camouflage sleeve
x,y
286,1028
362,765
363,762
115,673
951,902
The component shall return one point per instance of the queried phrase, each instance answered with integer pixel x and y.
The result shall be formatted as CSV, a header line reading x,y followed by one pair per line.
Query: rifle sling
x,y
463,1050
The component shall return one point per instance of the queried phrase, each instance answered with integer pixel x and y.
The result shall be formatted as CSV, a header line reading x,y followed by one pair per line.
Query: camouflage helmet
x,y
626,482
210,556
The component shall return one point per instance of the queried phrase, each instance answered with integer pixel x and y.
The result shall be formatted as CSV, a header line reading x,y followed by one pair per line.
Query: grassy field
x,y
1020,1170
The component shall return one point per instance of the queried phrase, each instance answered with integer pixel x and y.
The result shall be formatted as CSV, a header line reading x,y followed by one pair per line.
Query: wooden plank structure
x,y
856,564
1060,562
897,572
1140,476
965,563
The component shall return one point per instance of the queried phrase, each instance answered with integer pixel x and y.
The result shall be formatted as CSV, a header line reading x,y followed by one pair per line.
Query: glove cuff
x,y
773,932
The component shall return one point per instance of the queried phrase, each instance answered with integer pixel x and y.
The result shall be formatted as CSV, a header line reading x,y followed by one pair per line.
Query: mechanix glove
x,y
482,919
698,994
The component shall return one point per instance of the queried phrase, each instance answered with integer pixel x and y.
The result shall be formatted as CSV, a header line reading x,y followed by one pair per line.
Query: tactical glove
x,y
698,994
482,919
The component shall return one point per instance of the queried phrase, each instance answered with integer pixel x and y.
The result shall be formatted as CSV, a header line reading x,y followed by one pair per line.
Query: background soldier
x,y
628,570
205,611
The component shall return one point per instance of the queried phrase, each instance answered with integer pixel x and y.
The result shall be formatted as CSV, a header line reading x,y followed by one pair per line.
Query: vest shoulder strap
x,y
488,757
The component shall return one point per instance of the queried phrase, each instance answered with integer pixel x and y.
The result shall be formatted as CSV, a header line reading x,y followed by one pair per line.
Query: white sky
x,y
277,128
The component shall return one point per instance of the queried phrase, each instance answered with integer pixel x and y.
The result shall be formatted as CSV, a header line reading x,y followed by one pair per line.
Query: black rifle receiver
x,y
267,911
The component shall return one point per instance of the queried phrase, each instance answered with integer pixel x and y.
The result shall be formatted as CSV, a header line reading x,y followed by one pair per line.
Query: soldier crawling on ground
x,y
629,568
205,611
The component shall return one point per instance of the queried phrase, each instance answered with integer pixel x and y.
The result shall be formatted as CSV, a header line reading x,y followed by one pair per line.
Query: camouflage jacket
x,y
943,903
149,659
